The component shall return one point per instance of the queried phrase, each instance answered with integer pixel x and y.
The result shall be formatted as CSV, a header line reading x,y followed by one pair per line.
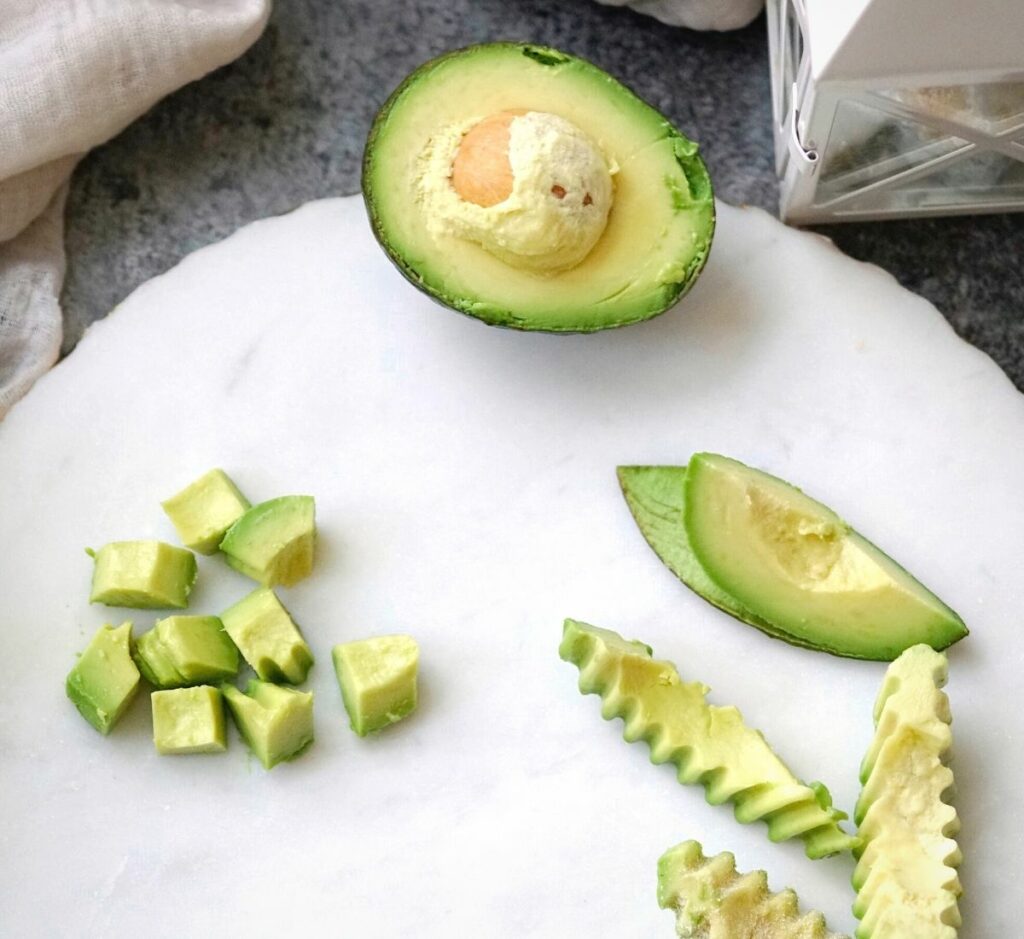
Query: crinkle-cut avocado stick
x,y
711,899
709,745
906,877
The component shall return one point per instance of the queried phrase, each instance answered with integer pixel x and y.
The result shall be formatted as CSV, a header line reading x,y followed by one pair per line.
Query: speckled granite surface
x,y
286,124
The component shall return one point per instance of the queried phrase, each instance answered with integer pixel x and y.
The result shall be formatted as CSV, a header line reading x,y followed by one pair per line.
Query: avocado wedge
x,y
801,568
528,114
745,560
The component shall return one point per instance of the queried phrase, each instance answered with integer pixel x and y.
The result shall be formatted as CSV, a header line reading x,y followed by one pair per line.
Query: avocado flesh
x,y
802,569
377,677
268,638
186,650
273,542
104,680
205,509
154,661
656,495
662,218
906,879
712,900
276,723
188,720
145,575
708,745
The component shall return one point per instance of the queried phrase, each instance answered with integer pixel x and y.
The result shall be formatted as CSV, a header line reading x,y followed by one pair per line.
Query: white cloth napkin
x,y
696,14
73,73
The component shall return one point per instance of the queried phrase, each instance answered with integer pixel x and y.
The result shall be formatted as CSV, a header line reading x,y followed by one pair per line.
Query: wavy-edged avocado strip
x,y
711,898
906,879
708,745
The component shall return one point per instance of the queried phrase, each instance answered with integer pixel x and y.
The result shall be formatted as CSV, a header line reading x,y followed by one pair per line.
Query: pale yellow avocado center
x,y
812,551
529,187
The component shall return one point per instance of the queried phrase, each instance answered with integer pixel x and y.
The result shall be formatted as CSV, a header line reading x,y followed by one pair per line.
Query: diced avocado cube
x,y
186,650
273,542
205,509
154,661
188,720
268,638
378,680
276,722
142,574
104,679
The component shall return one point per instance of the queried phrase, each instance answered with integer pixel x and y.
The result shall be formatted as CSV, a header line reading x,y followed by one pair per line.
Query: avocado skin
x,y
492,314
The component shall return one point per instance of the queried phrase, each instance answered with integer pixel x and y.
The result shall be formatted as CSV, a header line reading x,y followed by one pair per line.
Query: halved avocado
x,y
658,232
798,566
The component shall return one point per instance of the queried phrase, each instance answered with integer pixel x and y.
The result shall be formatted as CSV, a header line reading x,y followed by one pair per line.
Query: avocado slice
x,y
709,745
268,638
273,542
186,650
906,879
378,680
656,495
104,680
188,720
205,509
712,899
145,575
488,260
799,567
276,722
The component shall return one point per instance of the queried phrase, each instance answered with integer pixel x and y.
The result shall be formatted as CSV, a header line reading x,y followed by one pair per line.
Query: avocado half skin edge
x,y
687,156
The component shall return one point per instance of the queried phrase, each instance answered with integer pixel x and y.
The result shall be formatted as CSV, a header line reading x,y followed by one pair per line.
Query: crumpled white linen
x,y
73,73
696,14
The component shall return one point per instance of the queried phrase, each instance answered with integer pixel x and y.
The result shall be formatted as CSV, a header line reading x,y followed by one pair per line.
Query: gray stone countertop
x,y
286,124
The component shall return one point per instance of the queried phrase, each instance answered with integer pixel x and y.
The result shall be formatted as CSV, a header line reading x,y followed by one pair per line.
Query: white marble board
x,y
466,493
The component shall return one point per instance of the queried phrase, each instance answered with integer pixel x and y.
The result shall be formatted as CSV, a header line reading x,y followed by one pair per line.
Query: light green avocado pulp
x,y
268,638
188,720
276,722
712,900
104,680
797,566
145,575
656,497
658,232
906,879
205,509
186,650
274,542
377,677
708,745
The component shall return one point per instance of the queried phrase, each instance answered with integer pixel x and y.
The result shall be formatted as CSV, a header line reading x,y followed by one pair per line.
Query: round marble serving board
x,y
466,493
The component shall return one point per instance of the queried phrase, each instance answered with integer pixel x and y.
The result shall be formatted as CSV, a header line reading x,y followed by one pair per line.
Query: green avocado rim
x,y
686,154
